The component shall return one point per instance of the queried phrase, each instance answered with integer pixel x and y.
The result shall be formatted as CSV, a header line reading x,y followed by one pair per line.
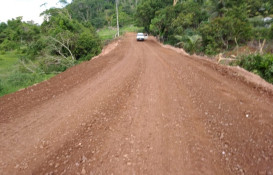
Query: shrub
x,y
261,33
8,45
191,44
55,64
35,47
258,64
87,46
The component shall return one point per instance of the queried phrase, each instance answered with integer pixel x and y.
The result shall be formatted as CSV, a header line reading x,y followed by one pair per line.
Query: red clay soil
x,y
140,109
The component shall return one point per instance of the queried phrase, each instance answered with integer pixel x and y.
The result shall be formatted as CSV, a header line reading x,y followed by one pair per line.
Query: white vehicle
x,y
140,37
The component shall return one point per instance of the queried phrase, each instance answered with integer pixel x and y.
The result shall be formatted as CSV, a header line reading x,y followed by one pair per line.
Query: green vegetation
x,y
131,28
261,65
11,78
41,51
101,13
207,26
8,62
109,33
31,53
18,80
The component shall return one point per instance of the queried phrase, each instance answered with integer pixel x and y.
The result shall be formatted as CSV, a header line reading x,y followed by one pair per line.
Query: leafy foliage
x,y
146,11
258,64
87,46
102,12
189,43
221,24
64,41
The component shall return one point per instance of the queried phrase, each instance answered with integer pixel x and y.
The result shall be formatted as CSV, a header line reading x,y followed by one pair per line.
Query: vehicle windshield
x,y
140,34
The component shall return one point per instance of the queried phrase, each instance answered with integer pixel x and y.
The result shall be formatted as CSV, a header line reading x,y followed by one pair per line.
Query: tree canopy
x,y
212,25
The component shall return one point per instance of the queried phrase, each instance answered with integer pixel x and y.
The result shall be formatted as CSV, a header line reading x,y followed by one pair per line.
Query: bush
x,y
223,32
258,64
257,21
261,33
35,47
192,44
87,46
8,45
55,64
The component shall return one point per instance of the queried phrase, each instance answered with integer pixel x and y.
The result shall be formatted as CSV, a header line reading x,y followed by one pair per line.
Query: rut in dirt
x,y
139,109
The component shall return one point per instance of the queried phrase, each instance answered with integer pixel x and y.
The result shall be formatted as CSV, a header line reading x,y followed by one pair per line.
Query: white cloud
x,y
29,9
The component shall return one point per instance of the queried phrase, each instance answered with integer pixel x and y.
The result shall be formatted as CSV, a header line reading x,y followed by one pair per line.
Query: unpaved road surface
x,y
140,109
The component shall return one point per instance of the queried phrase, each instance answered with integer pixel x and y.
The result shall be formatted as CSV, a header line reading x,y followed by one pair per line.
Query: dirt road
x,y
140,109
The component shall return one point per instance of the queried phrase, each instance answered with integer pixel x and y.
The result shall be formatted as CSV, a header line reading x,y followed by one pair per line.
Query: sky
x,y
29,9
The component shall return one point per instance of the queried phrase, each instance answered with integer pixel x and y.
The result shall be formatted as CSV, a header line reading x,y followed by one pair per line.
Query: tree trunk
x,y
117,17
175,2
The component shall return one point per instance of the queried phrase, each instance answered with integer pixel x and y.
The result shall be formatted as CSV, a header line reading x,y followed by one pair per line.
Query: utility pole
x,y
117,17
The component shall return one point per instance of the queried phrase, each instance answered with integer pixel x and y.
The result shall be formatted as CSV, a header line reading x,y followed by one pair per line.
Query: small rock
x,y
222,136
84,159
83,171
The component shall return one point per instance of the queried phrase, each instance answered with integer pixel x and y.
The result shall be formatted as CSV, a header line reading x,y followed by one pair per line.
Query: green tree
x,y
146,11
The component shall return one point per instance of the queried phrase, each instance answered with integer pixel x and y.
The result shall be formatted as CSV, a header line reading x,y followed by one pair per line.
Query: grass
x,y
11,78
110,32
107,33
8,62
18,80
